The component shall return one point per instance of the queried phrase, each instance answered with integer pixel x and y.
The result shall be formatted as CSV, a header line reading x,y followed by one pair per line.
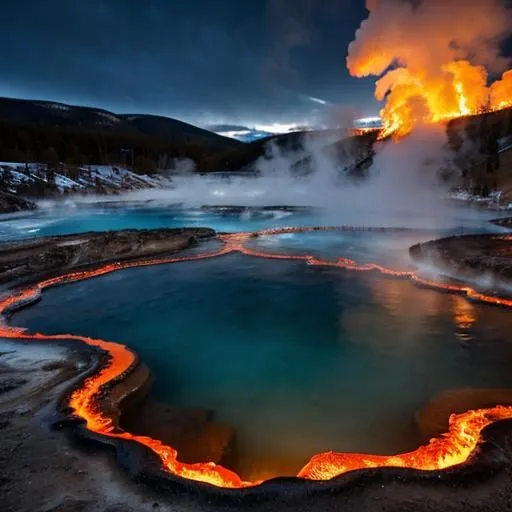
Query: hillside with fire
x,y
433,60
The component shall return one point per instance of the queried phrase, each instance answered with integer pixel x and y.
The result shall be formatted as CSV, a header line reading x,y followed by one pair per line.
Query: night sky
x,y
203,61
245,62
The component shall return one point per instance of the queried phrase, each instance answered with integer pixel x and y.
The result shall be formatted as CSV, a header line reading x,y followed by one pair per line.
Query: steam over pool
x,y
298,360
66,218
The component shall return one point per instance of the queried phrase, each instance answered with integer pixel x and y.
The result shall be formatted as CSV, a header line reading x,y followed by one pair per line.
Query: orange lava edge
x,y
452,448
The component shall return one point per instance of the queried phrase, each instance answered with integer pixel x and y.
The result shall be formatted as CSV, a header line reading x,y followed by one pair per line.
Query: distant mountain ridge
x,y
40,112
239,132
244,133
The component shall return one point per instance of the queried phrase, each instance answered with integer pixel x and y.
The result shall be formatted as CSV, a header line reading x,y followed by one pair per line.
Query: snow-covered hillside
x,y
19,178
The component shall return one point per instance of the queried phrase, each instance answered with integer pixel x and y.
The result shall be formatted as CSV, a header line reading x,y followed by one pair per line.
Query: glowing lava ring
x,y
454,447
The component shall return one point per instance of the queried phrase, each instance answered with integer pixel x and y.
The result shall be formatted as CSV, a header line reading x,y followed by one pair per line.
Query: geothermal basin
x,y
297,359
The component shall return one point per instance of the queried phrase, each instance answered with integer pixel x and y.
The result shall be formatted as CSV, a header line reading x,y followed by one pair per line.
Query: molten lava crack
x,y
454,447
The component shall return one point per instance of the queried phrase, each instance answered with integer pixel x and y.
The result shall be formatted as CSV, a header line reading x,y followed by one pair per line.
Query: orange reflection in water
x,y
452,448
464,317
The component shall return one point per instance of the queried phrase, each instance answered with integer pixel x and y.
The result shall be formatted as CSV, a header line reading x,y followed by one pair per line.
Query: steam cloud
x,y
426,40
402,187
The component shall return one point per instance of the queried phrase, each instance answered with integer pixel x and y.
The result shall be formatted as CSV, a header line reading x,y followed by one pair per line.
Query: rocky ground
x,y
237,209
40,468
12,203
486,258
36,258
48,465
43,469
505,222
33,180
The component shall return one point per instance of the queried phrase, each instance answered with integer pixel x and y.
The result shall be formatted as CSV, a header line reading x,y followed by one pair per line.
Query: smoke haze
x,y
433,57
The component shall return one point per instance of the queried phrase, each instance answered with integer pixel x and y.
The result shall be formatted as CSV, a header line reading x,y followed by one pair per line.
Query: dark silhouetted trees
x,y
77,147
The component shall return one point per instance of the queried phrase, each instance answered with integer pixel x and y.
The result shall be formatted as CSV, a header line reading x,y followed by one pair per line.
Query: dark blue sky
x,y
205,61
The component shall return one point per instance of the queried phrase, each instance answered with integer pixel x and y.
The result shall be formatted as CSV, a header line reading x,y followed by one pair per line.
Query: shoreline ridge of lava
x,y
96,419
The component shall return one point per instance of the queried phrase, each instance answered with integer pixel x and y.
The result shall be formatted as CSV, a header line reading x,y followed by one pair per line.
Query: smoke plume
x,y
434,56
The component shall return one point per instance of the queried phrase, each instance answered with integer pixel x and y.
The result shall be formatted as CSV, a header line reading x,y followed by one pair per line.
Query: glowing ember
x,y
453,448
356,132
433,59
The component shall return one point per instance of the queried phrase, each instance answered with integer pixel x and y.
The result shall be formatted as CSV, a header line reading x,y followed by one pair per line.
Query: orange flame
x,y
356,132
501,91
433,58
419,99
454,447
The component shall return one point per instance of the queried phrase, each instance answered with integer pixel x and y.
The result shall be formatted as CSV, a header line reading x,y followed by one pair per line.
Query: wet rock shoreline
x,y
504,222
33,259
482,257
238,209
483,483
71,473
10,203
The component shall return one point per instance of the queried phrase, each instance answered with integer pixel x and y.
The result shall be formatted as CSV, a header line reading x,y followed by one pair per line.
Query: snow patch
x,y
88,179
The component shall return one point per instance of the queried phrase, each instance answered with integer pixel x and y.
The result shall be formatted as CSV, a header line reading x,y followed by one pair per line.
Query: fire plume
x,y
454,447
433,58
501,91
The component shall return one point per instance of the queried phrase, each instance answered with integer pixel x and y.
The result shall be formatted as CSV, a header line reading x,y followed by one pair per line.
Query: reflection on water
x,y
389,249
298,359
395,296
464,317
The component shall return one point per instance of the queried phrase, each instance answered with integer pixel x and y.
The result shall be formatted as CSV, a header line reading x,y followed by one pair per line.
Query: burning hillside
x,y
434,58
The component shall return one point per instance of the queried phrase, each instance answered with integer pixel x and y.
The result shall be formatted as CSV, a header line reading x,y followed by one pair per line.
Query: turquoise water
x,y
297,359
386,248
99,217
59,221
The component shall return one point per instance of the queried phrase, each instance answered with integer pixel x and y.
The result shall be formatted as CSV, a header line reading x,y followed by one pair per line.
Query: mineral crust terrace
x,y
460,447
487,257
31,259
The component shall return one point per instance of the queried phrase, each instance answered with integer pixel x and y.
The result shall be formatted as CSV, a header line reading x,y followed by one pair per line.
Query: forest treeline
x,y
476,140
69,146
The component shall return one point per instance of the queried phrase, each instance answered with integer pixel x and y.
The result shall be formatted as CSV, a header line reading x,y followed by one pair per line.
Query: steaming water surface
x,y
76,218
297,359
62,220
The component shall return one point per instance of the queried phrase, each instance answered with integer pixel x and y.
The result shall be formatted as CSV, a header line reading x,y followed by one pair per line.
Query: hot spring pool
x,y
297,359
77,218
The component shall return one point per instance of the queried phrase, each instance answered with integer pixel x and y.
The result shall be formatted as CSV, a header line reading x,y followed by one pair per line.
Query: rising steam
x,y
433,58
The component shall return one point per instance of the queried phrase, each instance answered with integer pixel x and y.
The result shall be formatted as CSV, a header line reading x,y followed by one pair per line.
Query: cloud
x,y
317,100
293,25
192,60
